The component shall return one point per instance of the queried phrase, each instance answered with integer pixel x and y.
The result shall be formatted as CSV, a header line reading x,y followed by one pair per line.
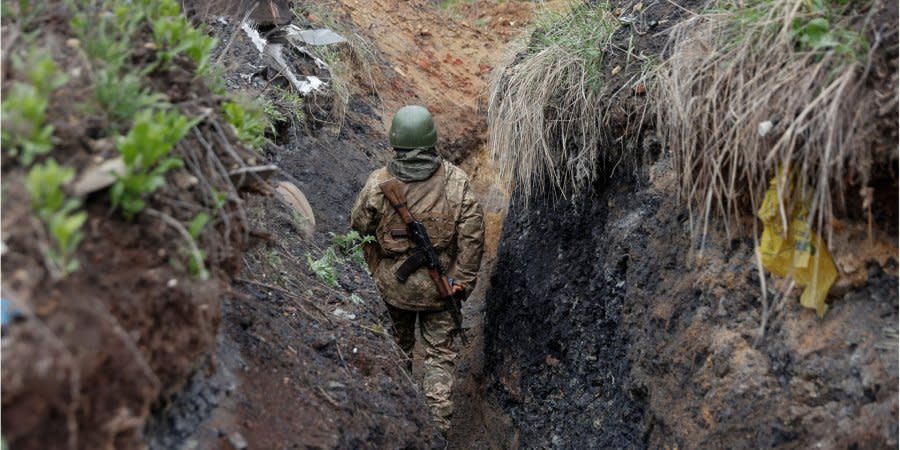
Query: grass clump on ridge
x,y
751,87
545,116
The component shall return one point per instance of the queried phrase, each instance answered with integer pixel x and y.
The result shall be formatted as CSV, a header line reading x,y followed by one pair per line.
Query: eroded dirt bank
x,y
605,330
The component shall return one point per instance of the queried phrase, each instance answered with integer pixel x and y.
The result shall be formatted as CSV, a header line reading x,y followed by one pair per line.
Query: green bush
x,y
122,96
325,268
25,133
59,214
249,121
145,151
350,245
174,35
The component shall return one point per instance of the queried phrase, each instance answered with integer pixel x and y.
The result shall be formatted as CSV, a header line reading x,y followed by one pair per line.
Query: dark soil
x,y
606,329
299,363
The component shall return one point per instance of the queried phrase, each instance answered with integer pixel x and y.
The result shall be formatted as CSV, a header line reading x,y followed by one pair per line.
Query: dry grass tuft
x,y
545,114
796,65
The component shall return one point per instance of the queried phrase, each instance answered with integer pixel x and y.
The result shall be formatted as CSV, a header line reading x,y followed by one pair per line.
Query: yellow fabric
x,y
799,252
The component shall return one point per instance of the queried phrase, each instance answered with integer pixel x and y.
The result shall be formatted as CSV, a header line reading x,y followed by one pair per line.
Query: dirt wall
x,y
606,329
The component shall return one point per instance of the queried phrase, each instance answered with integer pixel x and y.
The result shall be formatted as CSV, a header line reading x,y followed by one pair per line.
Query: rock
x,y
237,441
99,176
764,128
293,197
344,314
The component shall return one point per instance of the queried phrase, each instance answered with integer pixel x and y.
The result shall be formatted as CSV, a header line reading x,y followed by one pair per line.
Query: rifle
x,y
424,254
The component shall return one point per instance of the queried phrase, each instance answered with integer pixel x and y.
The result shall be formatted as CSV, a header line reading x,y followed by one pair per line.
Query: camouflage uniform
x,y
446,206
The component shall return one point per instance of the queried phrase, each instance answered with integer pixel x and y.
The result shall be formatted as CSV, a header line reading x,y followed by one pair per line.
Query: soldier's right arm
x,y
364,219
365,215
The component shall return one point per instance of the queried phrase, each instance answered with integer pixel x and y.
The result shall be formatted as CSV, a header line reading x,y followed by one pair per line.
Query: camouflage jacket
x,y
447,207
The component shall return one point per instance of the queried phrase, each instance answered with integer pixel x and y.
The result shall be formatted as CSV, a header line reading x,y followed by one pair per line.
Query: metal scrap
x,y
273,52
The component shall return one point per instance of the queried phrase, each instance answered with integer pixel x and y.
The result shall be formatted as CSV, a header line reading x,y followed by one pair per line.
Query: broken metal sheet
x,y
254,36
273,54
319,37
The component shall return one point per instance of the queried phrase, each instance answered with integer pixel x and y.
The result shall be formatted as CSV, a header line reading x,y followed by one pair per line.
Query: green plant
x,y
105,38
145,151
107,41
249,121
819,34
59,214
123,95
325,268
24,132
23,12
197,224
174,35
195,260
351,244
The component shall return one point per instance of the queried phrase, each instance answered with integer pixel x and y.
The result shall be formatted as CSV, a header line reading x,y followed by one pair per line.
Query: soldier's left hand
x,y
456,289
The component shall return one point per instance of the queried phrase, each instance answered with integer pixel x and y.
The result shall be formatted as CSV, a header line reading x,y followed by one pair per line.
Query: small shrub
x,y
44,185
174,35
350,245
325,268
249,121
122,96
25,133
145,151
106,38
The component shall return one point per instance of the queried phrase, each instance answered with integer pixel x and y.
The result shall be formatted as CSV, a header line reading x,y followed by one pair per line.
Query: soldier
x,y
438,195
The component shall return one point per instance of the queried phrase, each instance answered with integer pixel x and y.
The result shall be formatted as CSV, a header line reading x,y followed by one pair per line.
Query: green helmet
x,y
412,127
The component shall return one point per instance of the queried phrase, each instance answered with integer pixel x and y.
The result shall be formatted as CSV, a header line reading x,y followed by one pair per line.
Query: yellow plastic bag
x,y
799,252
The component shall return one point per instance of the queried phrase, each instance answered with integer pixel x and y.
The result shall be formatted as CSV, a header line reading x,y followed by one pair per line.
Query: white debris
x,y
322,36
254,36
344,314
764,128
275,51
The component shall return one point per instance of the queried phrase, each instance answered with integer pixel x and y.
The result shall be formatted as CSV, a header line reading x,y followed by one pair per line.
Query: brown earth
x,y
92,352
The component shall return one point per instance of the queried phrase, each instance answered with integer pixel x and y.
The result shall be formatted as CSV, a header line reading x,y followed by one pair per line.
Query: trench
x,y
593,324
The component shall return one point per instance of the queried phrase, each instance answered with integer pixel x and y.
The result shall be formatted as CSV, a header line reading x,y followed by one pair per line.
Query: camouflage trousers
x,y
436,330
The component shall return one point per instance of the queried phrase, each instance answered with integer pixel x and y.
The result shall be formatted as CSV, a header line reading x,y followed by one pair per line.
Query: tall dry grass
x,y
796,65
545,112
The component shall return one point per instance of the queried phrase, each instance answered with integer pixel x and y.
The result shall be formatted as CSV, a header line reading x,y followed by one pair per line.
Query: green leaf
x,y
197,224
